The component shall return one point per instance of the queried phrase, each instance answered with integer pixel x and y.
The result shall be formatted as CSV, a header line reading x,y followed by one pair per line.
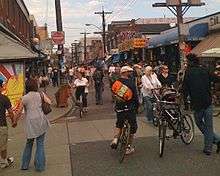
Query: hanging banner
x,y
13,77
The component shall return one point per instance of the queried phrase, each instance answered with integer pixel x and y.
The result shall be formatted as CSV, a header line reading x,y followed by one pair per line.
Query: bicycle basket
x,y
169,95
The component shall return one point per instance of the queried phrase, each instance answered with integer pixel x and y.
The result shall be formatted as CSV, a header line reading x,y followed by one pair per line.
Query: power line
x,y
131,2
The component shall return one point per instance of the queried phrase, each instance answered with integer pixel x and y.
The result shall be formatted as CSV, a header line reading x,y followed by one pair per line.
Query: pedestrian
x,y
99,86
197,84
81,84
149,83
55,78
126,108
36,125
49,72
5,105
165,78
71,74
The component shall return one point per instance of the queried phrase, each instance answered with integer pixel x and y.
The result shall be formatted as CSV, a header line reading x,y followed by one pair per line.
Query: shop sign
x,y
126,45
58,37
139,43
214,22
13,87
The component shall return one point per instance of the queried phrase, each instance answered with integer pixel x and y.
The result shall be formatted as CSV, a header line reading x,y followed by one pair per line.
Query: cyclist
x,y
81,84
126,109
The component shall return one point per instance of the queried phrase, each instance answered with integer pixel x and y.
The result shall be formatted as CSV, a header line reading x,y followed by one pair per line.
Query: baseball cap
x,y
126,69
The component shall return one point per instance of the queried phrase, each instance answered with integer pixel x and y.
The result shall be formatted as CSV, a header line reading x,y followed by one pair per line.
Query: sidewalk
x,y
56,112
57,151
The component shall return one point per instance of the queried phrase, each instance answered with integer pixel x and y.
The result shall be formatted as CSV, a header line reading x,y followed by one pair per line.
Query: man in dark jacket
x,y
99,86
126,110
197,84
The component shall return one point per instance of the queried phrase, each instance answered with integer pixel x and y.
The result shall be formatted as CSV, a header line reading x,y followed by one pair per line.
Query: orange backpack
x,y
121,91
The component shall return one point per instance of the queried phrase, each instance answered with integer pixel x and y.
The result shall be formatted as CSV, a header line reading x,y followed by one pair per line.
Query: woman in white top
x,y
81,84
36,125
149,82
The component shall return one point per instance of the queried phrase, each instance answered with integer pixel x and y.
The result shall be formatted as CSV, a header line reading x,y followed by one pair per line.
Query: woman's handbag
x,y
45,106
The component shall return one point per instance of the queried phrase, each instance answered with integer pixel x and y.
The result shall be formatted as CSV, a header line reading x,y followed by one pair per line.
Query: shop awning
x,y
214,52
196,33
11,49
209,47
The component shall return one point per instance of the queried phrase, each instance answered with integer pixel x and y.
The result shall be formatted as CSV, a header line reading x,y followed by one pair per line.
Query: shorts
x,y
131,116
3,138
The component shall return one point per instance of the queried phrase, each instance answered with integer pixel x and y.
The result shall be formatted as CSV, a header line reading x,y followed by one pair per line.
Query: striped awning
x,y
209,47
11,49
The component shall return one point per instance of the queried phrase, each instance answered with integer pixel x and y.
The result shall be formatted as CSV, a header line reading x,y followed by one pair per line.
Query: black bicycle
x,y
170,116
123,140
78,105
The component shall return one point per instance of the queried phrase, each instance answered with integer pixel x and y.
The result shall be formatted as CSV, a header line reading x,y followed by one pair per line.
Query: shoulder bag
x,y
45,106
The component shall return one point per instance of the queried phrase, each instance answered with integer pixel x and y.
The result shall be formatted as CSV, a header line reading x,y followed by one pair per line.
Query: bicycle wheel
x,y
80,113
124,139
187,129
162,136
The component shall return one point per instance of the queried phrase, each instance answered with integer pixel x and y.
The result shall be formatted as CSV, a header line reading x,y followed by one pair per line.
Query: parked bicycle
x,y
170,115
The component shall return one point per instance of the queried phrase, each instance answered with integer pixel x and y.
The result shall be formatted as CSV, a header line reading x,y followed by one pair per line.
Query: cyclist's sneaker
x,y
129,150
114,143
7,163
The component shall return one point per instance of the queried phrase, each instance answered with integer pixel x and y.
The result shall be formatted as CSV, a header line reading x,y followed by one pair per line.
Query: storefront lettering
x,y
214,21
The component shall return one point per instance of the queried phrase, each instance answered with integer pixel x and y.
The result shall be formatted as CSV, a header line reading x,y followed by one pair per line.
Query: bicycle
x,y
171,116
78,105
123,140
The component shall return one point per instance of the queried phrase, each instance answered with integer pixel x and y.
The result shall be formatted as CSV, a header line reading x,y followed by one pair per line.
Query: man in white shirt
x,y
149,82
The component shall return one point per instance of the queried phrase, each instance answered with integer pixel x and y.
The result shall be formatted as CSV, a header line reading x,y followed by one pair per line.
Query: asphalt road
x,y
91,155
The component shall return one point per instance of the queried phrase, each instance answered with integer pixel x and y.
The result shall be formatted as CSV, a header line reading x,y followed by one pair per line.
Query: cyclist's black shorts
x,y
131,116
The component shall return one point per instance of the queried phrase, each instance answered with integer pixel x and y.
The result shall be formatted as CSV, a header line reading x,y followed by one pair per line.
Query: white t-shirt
x,y
149,83
82,82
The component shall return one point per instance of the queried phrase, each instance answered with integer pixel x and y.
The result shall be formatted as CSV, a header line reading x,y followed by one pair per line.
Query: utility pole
x,y
103,13
179,9
59,28
85,44
72,45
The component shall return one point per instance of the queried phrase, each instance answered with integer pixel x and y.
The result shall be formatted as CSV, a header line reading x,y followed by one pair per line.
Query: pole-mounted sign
x,y
58,37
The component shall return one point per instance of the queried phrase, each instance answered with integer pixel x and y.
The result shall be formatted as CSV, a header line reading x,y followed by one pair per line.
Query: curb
x,y
52,121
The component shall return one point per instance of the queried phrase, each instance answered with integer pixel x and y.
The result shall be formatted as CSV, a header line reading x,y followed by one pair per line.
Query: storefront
x,y
208,50
12,67
133,49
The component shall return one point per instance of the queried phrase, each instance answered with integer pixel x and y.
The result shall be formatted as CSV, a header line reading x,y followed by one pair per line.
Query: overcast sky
x,y
76,13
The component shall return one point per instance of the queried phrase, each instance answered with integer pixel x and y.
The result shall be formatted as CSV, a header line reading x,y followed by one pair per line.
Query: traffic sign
x,y
58,37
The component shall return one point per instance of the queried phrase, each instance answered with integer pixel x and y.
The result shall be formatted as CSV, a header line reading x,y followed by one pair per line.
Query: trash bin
x,y
62,96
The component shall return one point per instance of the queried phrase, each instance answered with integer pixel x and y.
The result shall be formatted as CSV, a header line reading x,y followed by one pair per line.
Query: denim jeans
x,y
39,160
204,121
98,93
148,108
